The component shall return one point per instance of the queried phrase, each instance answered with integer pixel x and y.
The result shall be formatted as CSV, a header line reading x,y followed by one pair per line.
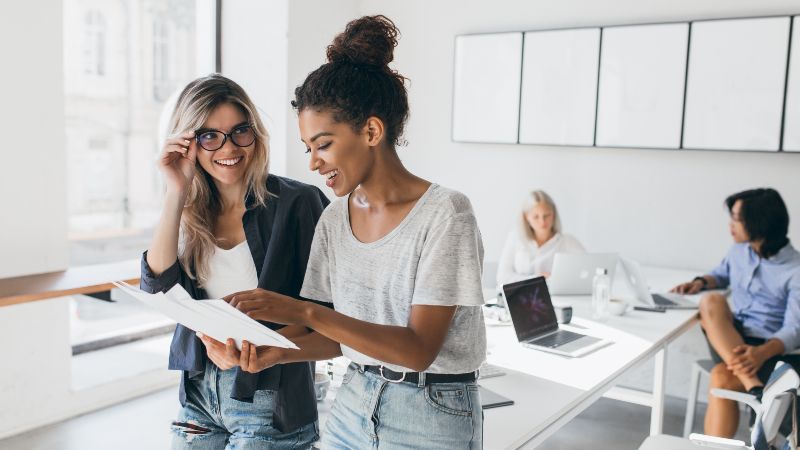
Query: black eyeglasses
x,y
213,140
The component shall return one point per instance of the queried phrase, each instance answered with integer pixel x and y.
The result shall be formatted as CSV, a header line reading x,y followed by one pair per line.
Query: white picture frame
x,y
791,115
559,87
486,85
641,87
735,84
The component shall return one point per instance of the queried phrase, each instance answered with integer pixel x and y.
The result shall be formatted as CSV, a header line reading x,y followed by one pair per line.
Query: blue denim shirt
x,y
765,292
279,236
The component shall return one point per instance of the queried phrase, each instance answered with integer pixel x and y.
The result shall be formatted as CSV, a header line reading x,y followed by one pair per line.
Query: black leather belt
x,y
413,377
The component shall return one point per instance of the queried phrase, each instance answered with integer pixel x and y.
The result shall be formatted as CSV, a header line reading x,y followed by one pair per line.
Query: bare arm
x,y
177,164
313,347
414,346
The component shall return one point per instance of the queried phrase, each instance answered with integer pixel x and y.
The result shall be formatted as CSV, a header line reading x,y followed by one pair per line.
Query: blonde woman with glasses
x,y
228,226
531,247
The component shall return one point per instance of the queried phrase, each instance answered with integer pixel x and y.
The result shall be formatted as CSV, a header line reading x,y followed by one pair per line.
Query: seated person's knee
x,y
722,378
712,302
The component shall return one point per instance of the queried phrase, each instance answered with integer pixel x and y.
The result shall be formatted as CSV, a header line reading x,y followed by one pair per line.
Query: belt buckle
x,y
380,372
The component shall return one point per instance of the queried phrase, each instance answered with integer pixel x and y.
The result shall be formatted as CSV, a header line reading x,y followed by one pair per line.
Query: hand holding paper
x,y
269,306
214,318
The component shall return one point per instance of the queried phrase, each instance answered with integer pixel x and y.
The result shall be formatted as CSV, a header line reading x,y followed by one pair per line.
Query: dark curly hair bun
x,y
356,83
369,40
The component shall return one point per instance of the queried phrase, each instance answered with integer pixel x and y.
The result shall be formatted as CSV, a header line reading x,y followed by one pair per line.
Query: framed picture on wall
x,y
735,84
791,117
641,90
486,88
559,87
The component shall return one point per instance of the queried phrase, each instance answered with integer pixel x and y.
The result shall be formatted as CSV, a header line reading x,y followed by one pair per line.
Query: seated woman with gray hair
x,y
531,247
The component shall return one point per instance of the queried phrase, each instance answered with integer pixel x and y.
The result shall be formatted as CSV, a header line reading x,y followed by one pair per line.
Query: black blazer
x,y
279,236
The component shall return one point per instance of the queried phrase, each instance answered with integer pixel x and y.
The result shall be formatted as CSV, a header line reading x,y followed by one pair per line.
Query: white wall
x,y
33,204
254,54
312,26
661,207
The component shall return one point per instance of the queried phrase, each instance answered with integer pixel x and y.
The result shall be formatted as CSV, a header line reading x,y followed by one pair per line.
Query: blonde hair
x,y
531,200
197,101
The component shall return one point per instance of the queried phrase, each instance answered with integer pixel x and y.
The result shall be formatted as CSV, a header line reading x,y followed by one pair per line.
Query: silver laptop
x,y
535,321
573,272
637,281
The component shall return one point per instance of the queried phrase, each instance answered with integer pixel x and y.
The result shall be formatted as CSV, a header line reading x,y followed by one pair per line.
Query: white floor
x,y
144,424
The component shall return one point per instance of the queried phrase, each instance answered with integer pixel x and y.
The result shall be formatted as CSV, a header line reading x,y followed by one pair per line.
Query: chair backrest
x,y
777,399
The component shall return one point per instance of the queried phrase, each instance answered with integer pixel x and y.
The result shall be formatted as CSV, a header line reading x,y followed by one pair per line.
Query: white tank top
x,y
230,271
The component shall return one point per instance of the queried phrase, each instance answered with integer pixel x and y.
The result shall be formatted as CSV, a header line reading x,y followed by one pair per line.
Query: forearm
x,y
163,250
293,331
392,344
773,347
711,282
313,347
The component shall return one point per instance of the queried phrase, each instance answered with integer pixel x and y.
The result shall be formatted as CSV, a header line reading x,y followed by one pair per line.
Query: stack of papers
x,y
214,318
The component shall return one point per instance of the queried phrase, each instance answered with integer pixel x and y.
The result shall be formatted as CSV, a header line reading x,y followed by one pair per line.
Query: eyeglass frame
x,y
225,136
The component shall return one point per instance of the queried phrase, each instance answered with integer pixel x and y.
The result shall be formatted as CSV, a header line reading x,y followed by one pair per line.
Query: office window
x,y
122,62
162,85
94,46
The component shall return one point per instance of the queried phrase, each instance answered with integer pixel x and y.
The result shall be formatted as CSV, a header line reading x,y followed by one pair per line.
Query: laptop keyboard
x,y
557,339
660,300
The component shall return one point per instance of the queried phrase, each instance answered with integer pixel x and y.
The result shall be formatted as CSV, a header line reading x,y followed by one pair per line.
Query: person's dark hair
x,y
356,83
764,216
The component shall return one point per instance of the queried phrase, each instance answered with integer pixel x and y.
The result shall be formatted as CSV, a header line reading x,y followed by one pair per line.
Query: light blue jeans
x,y
211,420
370,413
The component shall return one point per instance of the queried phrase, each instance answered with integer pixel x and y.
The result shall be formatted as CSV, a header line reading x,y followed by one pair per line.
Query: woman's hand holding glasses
x,y
177,162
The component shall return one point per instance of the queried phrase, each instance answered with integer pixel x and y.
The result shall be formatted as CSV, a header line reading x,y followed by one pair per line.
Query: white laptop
x,y
637,281
535,321
573,273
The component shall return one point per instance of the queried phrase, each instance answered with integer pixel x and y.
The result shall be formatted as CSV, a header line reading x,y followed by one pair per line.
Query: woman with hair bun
x,y
399,258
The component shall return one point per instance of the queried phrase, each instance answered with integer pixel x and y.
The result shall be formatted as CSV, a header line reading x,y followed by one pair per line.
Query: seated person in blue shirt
x,y
762,270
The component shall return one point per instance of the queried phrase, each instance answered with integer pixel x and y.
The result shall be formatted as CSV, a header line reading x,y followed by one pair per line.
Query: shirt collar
x,y
784,254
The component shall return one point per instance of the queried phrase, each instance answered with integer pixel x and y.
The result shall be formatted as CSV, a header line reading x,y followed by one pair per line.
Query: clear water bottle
x,y
601,294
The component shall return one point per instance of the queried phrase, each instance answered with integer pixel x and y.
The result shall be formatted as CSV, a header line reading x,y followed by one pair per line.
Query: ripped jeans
x,y
211,420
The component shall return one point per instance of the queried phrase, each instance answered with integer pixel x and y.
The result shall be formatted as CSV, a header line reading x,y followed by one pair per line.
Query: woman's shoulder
x,y
570,241
288,193
449,201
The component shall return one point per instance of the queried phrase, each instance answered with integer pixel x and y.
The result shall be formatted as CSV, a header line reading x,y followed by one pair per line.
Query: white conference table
x,y
549,390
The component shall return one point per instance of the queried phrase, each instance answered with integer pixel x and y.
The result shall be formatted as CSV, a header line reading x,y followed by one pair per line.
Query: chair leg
x,y
691,400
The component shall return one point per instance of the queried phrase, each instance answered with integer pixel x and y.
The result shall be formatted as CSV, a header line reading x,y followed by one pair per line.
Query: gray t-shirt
x,y
433,257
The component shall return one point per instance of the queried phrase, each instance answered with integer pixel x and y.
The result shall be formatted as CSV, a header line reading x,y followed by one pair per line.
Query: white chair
x,y
699,368
780,394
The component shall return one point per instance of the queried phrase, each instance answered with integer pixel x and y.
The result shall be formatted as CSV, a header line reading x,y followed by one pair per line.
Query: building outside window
x,y
123,60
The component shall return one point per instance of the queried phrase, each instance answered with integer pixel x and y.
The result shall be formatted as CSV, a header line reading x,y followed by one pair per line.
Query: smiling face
x,y
736,225
541,218
339,154
227,165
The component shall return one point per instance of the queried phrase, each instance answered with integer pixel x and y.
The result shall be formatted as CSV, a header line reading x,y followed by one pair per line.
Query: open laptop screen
x,y
530,307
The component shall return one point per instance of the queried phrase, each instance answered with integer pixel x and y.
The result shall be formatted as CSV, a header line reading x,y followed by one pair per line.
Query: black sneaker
x,y
757,392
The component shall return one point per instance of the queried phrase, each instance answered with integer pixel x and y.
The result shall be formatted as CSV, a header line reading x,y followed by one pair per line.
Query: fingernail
x,y
199,334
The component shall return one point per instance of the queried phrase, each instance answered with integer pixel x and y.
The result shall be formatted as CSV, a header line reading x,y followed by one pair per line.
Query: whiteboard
x,y
559,87
791,119
734,96
642,77
486,87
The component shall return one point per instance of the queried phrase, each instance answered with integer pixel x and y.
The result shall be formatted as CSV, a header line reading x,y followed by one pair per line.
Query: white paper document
x,y
214,318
